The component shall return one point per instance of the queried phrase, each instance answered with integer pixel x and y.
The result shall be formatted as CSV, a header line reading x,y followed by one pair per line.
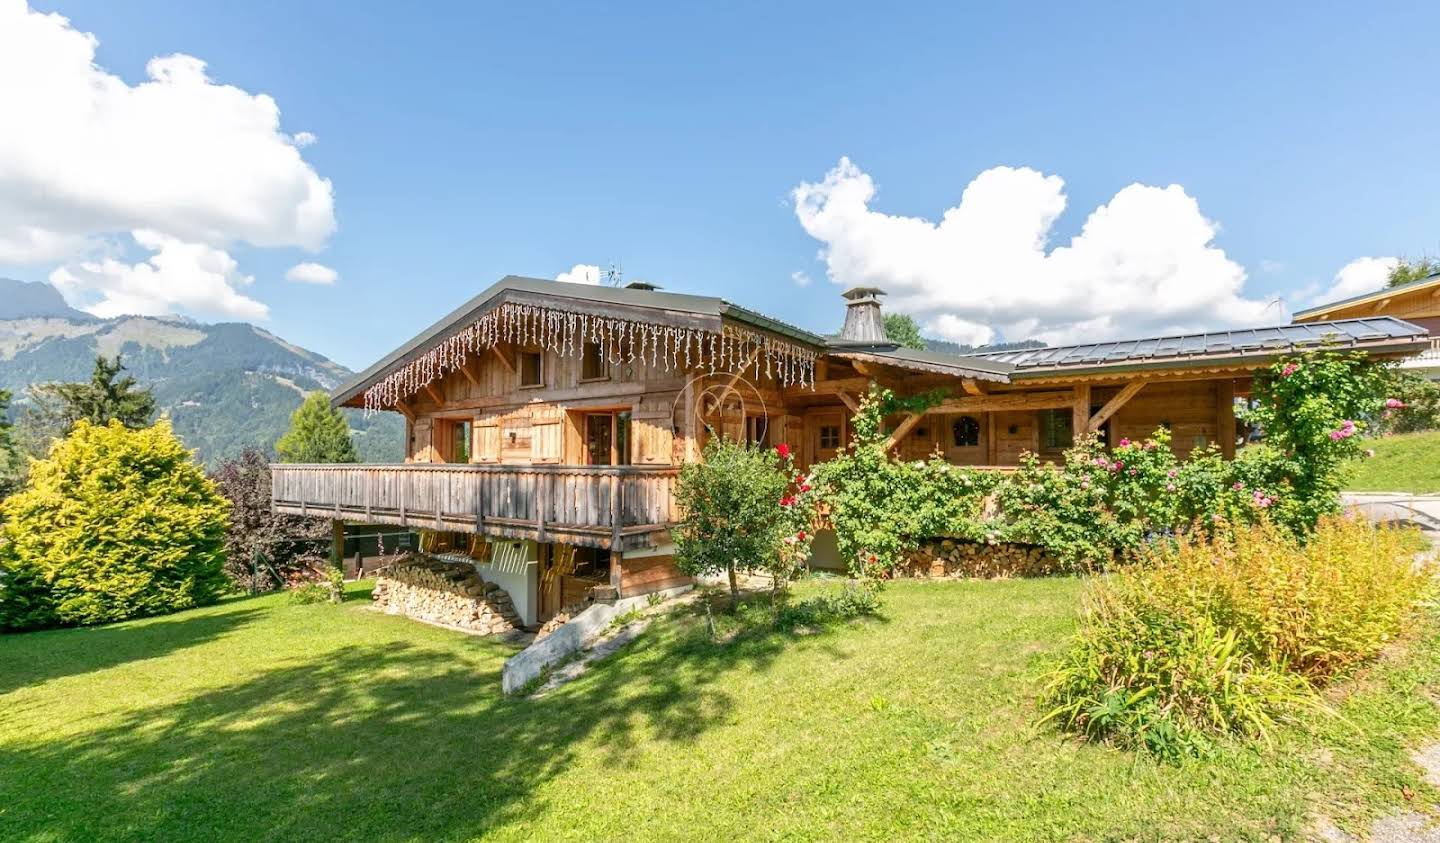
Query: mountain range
x,y
224,386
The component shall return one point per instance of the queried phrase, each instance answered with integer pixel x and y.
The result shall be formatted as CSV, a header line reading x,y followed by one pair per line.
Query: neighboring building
x,y
545,422
1417,302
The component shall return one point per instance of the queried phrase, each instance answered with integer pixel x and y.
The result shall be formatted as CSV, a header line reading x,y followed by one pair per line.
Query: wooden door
x,y
826,435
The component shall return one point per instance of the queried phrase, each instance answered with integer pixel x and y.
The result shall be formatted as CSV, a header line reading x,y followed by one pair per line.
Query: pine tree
x,y
57,407
11,462
317,434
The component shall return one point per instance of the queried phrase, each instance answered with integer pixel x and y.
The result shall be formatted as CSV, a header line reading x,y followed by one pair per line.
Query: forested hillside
x,y
225,386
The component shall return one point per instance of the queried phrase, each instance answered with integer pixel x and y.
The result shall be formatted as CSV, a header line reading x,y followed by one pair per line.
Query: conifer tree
x,y
318,434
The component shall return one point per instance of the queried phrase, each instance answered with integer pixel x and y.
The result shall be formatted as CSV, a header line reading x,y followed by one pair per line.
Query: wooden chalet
x,y
1417,302
545,422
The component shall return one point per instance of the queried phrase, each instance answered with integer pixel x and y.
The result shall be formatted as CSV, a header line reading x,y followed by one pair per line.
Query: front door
x,y
827,436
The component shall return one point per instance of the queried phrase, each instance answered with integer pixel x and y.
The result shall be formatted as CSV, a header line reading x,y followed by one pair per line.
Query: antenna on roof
x,y
613,276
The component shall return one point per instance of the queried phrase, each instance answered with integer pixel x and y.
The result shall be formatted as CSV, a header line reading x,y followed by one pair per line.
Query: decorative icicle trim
x,y
566,333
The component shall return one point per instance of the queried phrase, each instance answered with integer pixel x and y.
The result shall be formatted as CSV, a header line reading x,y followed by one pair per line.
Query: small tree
x,y
318,434
740,513
104,397
254,528
114,524
1406,271
901,328
11,461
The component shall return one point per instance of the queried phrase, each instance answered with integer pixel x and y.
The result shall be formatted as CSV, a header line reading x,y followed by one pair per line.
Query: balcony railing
x,y
615,507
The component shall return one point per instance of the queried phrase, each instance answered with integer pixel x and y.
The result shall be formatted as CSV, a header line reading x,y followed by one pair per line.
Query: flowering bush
x,y
1313,410
881,508
744,508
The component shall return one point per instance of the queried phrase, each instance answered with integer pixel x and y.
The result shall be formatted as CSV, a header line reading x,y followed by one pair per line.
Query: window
x,y
829,436
1055,430
966,431
757,431
532,368
460,443
593,365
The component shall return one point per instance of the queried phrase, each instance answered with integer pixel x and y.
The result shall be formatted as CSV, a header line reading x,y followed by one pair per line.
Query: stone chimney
x,y
863,320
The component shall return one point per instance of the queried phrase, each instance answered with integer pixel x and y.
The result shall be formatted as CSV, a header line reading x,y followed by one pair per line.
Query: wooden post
x,y
1080,412
616,558
338,538
616,485
1225,417
542,498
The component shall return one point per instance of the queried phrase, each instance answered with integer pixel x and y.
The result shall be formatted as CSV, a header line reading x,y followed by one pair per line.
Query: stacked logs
x,y
950,558
447,593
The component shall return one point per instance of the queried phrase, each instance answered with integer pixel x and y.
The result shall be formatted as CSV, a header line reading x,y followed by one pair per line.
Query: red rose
x,y
783,450
800,535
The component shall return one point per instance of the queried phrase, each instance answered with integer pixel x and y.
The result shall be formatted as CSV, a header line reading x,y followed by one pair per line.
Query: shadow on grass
x,y
379,743
29,658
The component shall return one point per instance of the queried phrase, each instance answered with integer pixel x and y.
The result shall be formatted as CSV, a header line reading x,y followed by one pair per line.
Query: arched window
x,y
967,432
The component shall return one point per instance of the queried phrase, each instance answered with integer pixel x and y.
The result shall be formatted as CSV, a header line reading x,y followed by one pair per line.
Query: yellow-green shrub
x,y
113,524
1231,632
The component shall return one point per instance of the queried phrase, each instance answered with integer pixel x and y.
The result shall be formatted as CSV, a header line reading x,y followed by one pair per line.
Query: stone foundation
x,y
962,559
446,593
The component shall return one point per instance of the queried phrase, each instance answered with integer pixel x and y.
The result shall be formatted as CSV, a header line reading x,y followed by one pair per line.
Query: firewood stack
x,y
448,593
950,558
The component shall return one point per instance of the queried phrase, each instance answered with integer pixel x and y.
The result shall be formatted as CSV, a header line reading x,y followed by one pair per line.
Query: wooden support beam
x,y
1112,406
828,387
405,410
1225,417
904,429
733,379
504,358
864,368
1080,412
1057,399
849,401
470,374
974,387
434,394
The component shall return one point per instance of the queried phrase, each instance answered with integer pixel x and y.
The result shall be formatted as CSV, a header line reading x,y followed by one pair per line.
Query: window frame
x,y
520,357
955,432
585,358
1057,419
820,436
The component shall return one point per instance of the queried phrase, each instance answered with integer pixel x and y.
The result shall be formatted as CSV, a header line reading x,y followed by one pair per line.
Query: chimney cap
x,y
641,285
857,293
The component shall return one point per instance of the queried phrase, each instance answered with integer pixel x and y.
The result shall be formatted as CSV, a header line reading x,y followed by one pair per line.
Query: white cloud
x,y
311,273
303,139
1144,263
86,157
580,273
1362,275
800,278
178,276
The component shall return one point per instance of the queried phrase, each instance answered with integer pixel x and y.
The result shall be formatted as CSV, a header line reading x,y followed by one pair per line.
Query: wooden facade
x,y
573,438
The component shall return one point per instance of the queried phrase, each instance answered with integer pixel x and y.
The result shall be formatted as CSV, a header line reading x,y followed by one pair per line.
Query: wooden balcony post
x,y
542,499
616,486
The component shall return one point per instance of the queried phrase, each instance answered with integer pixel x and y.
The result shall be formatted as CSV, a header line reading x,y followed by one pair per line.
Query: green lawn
x,y
1405,462
261,720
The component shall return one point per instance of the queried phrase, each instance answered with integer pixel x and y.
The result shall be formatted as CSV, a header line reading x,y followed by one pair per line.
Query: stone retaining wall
x,y
447,593
954,558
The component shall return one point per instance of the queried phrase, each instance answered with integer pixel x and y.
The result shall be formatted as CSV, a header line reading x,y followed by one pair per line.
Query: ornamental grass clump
x,y
1232,632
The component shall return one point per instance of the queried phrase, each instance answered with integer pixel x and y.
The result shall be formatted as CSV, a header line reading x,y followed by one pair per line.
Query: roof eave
x,y
1246,359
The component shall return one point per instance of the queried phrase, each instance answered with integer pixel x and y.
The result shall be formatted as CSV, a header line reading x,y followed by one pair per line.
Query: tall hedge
x,y
113,524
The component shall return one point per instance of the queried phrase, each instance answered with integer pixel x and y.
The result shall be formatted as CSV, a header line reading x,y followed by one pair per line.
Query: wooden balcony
x,y
619,507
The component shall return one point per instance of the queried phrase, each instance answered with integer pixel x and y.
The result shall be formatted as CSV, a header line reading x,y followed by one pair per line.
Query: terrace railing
x,y
615,507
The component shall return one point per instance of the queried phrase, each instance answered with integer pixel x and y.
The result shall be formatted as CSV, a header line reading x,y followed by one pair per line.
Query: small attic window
x,y
532,368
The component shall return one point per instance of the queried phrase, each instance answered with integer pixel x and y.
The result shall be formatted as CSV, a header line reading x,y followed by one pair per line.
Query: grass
x,y
262,720
1404,462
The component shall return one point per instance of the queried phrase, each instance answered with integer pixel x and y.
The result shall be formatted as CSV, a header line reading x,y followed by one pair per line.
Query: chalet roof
x,y
940,362
1385,292
1248,346
675,309
1384,333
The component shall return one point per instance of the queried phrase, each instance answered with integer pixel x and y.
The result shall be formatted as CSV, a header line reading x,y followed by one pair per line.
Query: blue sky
x,y
465,142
